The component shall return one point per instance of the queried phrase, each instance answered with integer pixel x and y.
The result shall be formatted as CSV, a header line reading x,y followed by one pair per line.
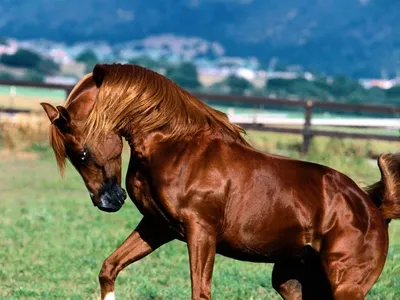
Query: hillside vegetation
x,y
352,37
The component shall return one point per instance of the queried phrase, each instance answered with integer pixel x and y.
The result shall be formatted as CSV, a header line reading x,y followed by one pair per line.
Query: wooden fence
x,y
307,106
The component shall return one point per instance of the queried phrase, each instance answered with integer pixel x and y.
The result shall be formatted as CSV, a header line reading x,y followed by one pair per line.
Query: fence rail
x,y
307,132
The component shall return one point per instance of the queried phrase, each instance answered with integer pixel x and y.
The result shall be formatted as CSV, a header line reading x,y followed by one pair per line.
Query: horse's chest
x,y
139,191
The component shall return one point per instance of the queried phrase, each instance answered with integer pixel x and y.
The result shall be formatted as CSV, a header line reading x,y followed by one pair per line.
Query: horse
x,y
194,178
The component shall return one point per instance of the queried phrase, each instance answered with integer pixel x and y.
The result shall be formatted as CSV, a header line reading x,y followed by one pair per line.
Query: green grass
x,y
53,241
383,131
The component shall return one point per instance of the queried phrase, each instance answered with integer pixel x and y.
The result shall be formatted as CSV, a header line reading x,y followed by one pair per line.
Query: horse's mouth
x,y
110,209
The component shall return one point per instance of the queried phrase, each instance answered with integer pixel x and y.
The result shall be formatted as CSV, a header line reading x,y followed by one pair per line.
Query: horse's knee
x,y
107,273
286,279
290,290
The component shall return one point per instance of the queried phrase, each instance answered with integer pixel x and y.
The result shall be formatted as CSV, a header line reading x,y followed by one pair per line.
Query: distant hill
x,y
352,37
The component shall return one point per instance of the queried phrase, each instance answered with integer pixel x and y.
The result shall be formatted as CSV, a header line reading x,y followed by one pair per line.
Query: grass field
x,y
53,241
33,92
30,98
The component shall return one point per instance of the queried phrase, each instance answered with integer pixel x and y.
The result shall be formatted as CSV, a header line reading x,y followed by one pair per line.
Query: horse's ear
x,y
51,111
98,74
63,122
58,116
64,114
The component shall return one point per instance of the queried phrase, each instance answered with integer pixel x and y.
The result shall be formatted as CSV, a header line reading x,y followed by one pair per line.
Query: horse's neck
x,y
141,148
145,164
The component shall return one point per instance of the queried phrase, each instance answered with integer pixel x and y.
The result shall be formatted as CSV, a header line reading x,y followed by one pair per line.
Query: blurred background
x,y
309,79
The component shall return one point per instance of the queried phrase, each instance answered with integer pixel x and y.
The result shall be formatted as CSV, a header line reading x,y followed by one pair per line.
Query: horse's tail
x,y
386,192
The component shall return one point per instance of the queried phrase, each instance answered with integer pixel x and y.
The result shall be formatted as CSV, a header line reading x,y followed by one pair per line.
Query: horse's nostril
x,y
122,196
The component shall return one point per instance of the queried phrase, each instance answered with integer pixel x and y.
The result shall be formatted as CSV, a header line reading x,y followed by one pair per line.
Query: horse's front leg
x,y
147,237
201,241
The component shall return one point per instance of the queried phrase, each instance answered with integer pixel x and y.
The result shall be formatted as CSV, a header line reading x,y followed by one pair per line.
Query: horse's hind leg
x,y
352,275
354,261
302,278
142,241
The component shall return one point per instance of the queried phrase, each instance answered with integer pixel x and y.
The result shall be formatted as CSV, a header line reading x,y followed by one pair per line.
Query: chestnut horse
x,y
194,178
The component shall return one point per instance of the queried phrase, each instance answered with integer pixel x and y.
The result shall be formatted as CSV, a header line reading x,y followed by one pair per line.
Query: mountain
x,y
352,37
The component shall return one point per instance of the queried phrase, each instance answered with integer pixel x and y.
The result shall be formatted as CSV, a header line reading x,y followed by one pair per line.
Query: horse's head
x,y
98,161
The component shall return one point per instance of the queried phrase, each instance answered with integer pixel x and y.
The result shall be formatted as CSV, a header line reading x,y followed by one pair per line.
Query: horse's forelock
x,y
57,142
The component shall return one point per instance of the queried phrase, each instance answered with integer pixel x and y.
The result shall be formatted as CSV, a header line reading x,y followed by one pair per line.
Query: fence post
x,y
307,136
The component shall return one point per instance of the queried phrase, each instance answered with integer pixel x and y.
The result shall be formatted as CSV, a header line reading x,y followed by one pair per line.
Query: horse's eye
x,y
83,155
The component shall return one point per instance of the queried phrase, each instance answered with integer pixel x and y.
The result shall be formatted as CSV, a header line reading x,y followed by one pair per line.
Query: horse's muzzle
x,y
112,197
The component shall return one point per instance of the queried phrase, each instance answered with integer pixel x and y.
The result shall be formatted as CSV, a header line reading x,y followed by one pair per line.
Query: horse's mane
x,y
138,101
56,137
